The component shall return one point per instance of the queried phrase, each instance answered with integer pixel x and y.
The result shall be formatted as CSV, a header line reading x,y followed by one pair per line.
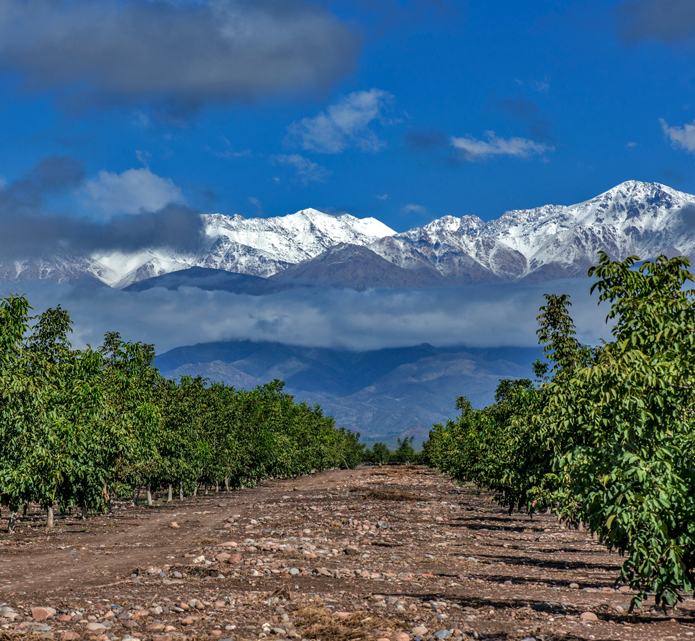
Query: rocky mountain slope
x,y
552,241
538,244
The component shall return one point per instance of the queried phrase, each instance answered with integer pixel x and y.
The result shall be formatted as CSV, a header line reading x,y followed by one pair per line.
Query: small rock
x,y
70,635
187,621
174,524
177,575
352,550
294,571
420,631
588,616
343,615
529,639
279,632
234,558
199,559
41,614
155,627
402,636
161,637
574,586
442,634
223,558
93,626
228,544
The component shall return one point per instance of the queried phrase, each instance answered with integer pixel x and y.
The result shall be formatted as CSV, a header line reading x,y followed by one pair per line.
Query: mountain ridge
x,y
532,245
384,394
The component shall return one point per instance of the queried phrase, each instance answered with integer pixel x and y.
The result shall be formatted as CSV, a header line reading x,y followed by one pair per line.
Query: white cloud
x,y
631,144
683,137
132,191
414,209
306,170
479,316
344,124
382,196
473,149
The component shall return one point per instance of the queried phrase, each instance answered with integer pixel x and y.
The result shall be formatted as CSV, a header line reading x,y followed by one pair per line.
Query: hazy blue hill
x,y
382,393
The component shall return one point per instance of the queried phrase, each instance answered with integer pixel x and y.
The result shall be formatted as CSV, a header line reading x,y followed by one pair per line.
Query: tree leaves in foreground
x,y
78,426
605,436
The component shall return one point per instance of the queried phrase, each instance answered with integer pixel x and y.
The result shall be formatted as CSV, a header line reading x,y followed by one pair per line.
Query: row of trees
x,y
380,454
604,437
80,426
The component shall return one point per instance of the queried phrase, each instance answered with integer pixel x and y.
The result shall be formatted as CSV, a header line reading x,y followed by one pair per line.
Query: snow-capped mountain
x,y
256,246
553,241
544,243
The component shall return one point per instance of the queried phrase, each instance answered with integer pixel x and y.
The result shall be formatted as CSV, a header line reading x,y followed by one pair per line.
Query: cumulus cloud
x,y
485,316
181,55
344,124
133,191
473,149
680,137
29,229
666,20
306,170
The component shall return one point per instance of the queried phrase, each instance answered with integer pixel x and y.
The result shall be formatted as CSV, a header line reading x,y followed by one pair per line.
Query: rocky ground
x,y
390,553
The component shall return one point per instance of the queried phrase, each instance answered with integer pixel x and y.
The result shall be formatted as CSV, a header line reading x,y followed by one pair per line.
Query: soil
x,y
371,553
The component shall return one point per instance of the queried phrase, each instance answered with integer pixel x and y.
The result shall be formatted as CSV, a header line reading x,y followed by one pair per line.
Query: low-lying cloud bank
x,y
485,316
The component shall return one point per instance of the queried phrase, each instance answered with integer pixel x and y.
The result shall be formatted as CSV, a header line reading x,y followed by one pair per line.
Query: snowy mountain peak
x,y
559,241
542,243
256,246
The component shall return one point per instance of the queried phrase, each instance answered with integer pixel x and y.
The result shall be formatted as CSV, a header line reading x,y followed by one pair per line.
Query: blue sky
x,y
405,110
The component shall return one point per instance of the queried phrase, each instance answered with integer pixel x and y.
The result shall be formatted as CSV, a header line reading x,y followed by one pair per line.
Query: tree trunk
x,y
181,490
49,517
226,483
84,511
149,494
195,489
206,489
217,487
12,522
170,494
24,512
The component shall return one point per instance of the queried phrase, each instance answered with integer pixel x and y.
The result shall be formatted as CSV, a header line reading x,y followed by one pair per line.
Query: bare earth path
x,y
392,553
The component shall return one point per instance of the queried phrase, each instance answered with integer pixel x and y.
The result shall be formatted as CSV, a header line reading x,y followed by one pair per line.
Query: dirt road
x,y
392,553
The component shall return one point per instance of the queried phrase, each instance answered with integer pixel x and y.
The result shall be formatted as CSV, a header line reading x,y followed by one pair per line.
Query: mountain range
x,y
311,248
383,394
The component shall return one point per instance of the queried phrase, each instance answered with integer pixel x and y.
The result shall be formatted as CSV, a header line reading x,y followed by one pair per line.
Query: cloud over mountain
x,y
182,55
130,192
28,227
492,315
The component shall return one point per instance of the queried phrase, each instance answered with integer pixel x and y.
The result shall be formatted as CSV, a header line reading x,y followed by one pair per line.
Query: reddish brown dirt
x,y
433,554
